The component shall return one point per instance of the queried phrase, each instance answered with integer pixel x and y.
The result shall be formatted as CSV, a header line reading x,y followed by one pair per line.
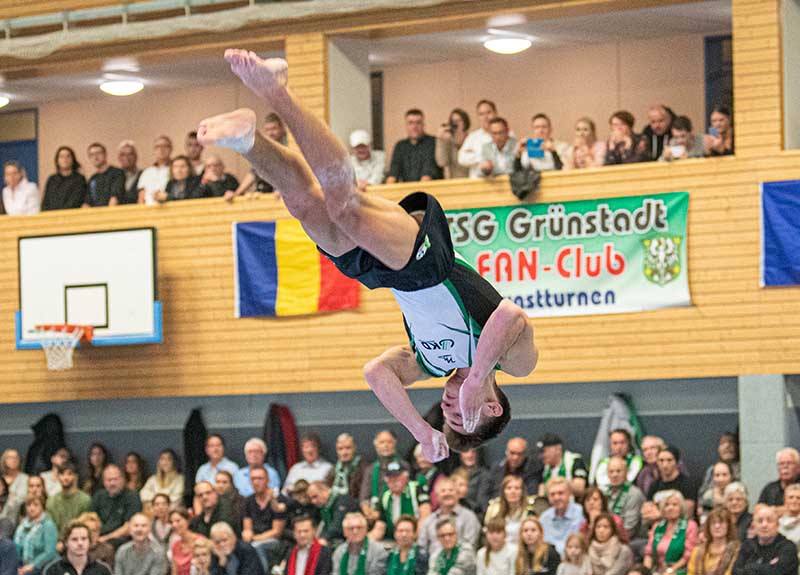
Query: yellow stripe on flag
x,y
298,270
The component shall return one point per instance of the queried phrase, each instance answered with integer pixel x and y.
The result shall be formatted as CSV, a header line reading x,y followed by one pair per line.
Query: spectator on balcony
x,y
554,153
586,151
67,187
497,157
107,184
369,164
215,182
275,130
719,140
183,184
414,158
20,197
684,142
470,151
127,158
656,135
624,146
194,151
449,140
154,178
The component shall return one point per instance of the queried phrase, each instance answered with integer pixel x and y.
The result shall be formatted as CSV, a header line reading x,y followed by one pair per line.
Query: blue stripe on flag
x,y
257,268
780,233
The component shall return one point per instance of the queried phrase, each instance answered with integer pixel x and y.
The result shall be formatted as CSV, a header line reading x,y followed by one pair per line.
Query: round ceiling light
x,y
507,45
121,87
4,101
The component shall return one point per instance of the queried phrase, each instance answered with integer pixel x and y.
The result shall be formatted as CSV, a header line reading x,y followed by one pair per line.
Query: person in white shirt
x,y
497,558
497,157
154,178
469,155
20,197
368,164
312,468
215,450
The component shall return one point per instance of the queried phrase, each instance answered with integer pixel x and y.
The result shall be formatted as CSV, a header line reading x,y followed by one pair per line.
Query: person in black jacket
x,y
229,553
769,552
76,540
183,183
518,461
67,187
308,556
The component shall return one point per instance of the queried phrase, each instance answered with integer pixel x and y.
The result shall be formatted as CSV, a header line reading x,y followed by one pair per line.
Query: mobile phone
x,y
534,147
713,131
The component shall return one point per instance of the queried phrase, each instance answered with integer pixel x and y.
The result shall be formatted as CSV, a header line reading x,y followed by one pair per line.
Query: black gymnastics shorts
x,y
431,260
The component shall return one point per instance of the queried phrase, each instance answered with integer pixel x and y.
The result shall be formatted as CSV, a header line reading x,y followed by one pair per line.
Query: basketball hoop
x,y
60,340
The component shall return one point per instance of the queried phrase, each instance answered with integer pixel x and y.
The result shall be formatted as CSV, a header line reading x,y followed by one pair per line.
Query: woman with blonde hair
x,y
16,480
673,538
167,480
534,554
717,554
586,151
513,505
497,558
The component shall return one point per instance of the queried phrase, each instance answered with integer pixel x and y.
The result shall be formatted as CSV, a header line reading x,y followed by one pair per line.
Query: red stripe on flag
x,y
336,291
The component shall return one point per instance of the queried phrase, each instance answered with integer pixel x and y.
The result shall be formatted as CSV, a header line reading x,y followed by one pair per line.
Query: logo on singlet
x,y
443,344
423,249
447,358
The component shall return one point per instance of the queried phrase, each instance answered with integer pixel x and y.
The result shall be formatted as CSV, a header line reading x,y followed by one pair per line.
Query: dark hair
x,y
72,526
4,489
639,568
625,117
141,464
624,432
68,466
180,511
164,495
13,164
106,459
192,134
408,519
176,462
303,517
489,430
676,453
97,145
541,116
682,123
218,436
191,171
608,517
312,437
461,114
724,110
227,473
273,118
499,120
414,112
75,164
590,491
488,103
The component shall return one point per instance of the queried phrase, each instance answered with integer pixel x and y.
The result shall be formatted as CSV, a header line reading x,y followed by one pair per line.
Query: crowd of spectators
x,y
536,511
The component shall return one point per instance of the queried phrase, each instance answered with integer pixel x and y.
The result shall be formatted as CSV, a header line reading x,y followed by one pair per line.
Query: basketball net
x,y
59,341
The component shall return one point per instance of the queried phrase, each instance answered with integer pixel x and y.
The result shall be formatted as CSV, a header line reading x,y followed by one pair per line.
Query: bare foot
x,y
235,130
263,77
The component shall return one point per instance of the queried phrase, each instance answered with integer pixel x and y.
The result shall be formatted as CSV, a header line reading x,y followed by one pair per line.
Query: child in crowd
x,y
497,558
576,560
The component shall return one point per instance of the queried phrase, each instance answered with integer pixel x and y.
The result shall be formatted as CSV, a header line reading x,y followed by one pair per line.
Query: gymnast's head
x,y
495,415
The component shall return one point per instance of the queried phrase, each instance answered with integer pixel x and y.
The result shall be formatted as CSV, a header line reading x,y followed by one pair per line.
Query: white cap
x,y
360,138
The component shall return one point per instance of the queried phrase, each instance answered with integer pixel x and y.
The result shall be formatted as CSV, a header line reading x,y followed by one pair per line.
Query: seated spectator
x,y
624,498
586,151
467,524
385,444
470,152
454,557
473,465
358,555
263,523
135,471
512,507
9,507
497,558
333,508
368,164
407,557
76,559
403,497
684,143
736,503
212,511
559,462
564,516
298,503
228,494
202,552
167,480
624,146
672,478
183,542
656,135
427,476
97,460
36,537
516,462
255,454
20,197
350,469
769,552
140,555
127,159
460,479
98,550
67,187
274,130
308,556
576,561
621,445
154,178
497,156
193,150
789,523
16,480
215,182
788,460
608,554
673,538
59,458
639,569
115,504
718,548
313,467
107,184
183,184
449,139
70,502
215,450
594,505
232,556
719,141
534,554
555,153
414,158
714,496
161,528
36,487
651,446
728,451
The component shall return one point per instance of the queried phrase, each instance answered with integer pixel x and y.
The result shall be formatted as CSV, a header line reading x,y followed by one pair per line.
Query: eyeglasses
x,y
447,534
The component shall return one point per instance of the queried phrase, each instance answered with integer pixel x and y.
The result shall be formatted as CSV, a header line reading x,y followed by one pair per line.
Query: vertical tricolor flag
x,y
280,272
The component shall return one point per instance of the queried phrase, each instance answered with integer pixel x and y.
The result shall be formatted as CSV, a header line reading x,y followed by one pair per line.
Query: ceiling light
x,y
507,45
4,101
121,87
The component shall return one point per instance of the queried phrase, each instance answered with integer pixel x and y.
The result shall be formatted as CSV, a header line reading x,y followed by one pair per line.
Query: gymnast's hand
x,y
471,400
434,446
